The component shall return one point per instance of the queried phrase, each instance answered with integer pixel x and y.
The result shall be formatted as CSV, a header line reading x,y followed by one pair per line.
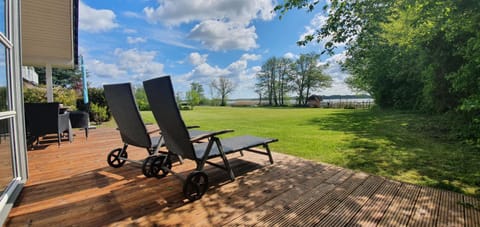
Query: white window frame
x,y
12,43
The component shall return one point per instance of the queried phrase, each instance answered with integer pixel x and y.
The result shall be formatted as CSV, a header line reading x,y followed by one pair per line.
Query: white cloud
x,y
133,14
95,20
129,65
239,67
105,70
238,72
290,55
206,70
251,57
257,68
141,64
219,25
196,59
176,12
334,69
317,22
132,40
170,37
217,35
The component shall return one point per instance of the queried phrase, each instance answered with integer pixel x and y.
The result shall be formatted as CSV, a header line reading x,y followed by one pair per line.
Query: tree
x,y
307,76
67,78
279,76
178,97
259,93
346,19
408,54
316,80
284,73
198,88
224,87
141,98
214,101
194,94
267,80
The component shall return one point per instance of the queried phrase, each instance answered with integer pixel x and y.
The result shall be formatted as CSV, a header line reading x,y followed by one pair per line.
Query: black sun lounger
x,y
122,104
178,141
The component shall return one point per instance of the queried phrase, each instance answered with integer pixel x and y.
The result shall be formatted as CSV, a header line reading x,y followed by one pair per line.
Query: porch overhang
x,y
49,33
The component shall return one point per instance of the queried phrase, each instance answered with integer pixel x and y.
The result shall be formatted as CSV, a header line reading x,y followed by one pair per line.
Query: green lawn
x,y
403,146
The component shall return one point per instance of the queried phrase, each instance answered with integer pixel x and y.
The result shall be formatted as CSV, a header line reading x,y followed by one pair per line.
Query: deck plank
x,y
472,211
72,185
318,209
295,198
374,209
426,208
349,207
401,208
451,209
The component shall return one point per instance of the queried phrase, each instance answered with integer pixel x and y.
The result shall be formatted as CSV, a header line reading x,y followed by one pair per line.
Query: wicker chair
x,y
45,118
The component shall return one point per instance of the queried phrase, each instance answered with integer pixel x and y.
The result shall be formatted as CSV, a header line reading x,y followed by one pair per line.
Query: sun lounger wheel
x,y
114,156
195,185
147,166
158,163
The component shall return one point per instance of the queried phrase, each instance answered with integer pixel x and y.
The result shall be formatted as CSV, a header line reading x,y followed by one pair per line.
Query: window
x,y
6,165
3,16
3,80
13,168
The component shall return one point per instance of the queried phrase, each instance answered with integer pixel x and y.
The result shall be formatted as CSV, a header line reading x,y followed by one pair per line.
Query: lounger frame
x,y
162,102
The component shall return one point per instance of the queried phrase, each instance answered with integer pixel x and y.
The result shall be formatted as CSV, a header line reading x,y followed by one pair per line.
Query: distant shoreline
x,y
326,98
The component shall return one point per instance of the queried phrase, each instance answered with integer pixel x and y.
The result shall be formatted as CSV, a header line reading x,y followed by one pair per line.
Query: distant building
x,y
30,77
314,101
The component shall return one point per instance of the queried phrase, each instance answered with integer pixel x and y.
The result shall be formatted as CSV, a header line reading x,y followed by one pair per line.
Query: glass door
x,y
13,168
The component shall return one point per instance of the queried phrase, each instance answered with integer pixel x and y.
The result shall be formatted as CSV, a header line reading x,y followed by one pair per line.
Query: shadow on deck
x,y
73,185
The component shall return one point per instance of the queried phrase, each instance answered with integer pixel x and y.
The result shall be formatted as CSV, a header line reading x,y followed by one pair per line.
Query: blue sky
x,y
194,41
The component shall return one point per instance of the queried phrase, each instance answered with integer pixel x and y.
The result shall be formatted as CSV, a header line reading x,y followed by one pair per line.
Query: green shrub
x,y
349,106
99,113
97,96
36,94
143,105
141,98
185,106
39,94
65,96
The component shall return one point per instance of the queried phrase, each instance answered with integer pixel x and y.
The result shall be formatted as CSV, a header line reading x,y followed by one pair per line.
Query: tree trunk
x,y
223,101
306,96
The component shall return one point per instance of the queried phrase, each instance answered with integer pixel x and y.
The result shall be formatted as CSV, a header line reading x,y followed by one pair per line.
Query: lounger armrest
x,y
158,130
154,131
210,134
149,132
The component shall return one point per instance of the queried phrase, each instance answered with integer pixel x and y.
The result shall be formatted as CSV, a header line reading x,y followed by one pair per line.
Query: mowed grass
x,y
399,146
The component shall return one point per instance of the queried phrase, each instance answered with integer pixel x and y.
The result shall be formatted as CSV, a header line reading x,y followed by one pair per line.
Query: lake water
x,y
348,100
293,101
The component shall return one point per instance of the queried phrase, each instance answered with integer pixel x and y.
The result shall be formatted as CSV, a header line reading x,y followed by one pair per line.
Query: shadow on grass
x,y
405,147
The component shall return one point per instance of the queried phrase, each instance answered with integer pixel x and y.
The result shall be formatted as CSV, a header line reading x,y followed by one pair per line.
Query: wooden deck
x,y
73,185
